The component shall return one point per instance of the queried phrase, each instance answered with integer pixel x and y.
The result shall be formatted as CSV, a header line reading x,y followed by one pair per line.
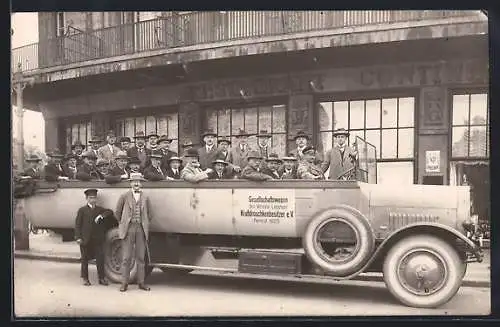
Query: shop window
x,y
386,123
78,131
272,118
470,126
164,124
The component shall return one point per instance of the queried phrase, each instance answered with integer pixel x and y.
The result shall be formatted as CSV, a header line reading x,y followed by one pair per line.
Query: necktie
x,y
159,170
175,172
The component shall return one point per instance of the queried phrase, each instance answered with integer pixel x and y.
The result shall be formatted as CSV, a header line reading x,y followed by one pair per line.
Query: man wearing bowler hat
x,y
125,143
208,152
273,163
70,167
239,153
192,172
220,169
163,145
109,150
133,211
173,171
139,150
153,141
77,149
87,170
341,158
53,170
301,140
90,231
95,144
252,171
155,172
33,170
289,168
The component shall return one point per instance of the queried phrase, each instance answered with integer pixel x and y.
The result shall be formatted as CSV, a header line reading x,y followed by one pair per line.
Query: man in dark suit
x,y
154,172
87,170
53,170
208,152
273,163
90,235
221,170
125,143
164,145
174,168
139,150
119,171
33,171
77,149
252,170
70,167
289,168
95,144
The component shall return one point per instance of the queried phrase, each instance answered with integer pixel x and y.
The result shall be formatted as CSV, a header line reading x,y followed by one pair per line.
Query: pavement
x,y
50,247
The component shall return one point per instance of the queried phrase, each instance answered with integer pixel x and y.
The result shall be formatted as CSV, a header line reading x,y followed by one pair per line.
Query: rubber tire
x,y
358,222
449,254
112,273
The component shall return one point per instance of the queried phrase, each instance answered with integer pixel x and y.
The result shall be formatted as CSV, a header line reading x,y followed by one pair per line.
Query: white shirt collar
x,y
91,207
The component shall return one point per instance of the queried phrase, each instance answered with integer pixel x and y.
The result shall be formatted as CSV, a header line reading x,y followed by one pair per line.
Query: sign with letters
x,y
265,211
432,161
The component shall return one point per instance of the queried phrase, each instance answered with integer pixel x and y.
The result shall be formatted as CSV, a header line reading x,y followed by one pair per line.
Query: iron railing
x,y
180,30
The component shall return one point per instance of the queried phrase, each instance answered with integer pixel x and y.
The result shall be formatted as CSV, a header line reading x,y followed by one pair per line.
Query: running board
x,y
179,266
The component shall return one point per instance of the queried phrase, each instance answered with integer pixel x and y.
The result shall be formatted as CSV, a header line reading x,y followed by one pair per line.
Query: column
x,y
189,122
52,135
300,116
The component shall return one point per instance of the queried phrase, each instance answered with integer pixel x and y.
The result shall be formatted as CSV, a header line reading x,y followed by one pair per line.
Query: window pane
x,y
129,128
224,128
340,115
265,118
406,112
251,120
279,119
373,114
89,133
406,144
74,133
460,141
460,109
325,116
477,144
389,143
279,144
389,112
68,138
120,126
173,126
326,140
150,125
353,134
237,120
140,124
478,108
252,142
82,137
357,115
396,173
163,125
373,137
211,120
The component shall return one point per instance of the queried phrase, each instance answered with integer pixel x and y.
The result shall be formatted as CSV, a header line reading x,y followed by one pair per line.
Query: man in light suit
x,y
208,152
192,172
341,158
239,153
109,150
133,211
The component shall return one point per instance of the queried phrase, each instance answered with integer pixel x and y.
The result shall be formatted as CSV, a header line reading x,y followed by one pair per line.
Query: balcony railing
x,y
193,28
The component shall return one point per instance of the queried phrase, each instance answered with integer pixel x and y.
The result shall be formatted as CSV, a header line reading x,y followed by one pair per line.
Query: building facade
x,y
412,83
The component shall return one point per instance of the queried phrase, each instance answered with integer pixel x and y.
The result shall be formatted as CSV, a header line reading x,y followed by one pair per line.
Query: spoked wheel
x,y
423,271
113,258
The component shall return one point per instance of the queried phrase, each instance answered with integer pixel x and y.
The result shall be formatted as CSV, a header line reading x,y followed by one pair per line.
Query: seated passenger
x,y
252,171
69,167
221,170
154,172
53,170
118,172
87,170
307,169
289,168
133,165
173,170
103,166
192,171
273,163
33,170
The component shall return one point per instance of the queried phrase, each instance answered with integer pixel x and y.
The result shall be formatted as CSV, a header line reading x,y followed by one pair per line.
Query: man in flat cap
x,y
155,172
307,169
173,171
164,147
133,211
289,168
341,158
192,171
87,170
273,163
119,171
207,152
252,170
239,153
109,150
33,170
53,170
139,150
70,167
90,232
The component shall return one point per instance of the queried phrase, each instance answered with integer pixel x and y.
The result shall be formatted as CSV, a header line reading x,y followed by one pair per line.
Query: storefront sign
x,y
432,161
269,211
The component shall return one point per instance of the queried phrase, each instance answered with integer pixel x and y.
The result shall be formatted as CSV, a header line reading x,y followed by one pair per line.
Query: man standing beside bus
x,y
133,211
